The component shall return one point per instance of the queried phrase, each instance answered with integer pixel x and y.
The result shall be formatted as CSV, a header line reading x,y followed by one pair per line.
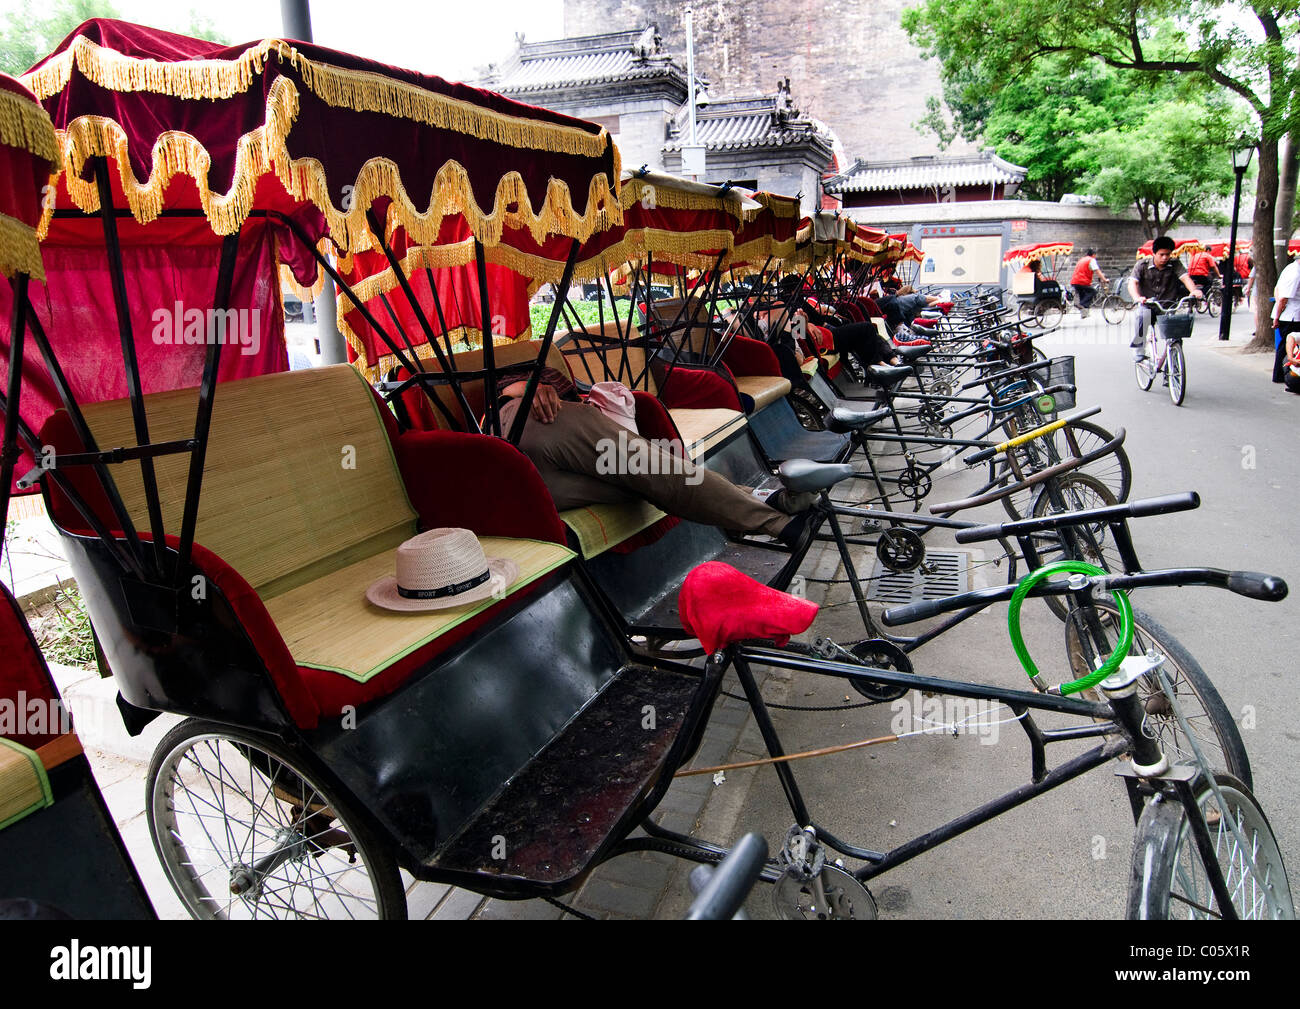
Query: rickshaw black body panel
x,y
526,741
205,666
100,883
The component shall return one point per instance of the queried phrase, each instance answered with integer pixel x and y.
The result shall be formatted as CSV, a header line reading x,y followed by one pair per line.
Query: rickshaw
x,y
1040,298
47,791
509,747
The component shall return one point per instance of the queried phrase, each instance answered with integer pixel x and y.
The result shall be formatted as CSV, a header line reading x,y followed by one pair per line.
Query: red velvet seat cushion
x,y
720,605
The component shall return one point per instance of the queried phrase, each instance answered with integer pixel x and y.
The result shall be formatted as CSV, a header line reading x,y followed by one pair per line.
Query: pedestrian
x,y
1082,280
1202,269
1286,315
1155,280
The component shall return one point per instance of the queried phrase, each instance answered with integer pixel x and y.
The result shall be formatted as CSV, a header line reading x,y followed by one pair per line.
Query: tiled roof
x,y
927,173
734,124
595,59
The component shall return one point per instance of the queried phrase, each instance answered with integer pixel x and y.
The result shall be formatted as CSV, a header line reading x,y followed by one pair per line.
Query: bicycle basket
x,y
1061,372
1177,326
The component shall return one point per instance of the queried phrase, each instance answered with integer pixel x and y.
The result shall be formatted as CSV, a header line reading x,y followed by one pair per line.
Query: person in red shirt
x,y
1201,269
1082,280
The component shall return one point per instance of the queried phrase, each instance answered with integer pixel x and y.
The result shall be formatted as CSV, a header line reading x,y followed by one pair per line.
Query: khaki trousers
x,y
585,458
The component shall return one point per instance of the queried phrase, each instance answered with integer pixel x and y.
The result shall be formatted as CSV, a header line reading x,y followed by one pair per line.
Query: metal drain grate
x,y
943,573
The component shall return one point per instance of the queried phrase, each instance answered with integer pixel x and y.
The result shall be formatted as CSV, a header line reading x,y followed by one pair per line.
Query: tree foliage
x,y
1243,48
30,31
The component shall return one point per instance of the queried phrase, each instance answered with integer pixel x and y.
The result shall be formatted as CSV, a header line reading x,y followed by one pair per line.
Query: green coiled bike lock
x,y
1018,640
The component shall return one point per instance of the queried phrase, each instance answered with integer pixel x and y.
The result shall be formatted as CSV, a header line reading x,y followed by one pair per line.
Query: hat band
x,y
448,590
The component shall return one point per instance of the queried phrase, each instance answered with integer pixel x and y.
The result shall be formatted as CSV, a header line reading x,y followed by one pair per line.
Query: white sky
x,y
449,39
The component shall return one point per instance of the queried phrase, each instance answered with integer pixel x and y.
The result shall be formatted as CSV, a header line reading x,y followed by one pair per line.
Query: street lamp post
x,y
1240,162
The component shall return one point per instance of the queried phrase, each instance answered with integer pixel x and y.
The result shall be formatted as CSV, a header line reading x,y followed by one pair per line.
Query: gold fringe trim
x,y
20,251
779,206
289,282
26,126
263,150
359,90
463,337
635,190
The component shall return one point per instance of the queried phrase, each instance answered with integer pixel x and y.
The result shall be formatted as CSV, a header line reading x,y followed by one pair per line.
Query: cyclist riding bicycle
x,y
1082,280
1155,279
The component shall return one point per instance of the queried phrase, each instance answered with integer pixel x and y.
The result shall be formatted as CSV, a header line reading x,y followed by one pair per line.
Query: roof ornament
x,y
785,107
648,43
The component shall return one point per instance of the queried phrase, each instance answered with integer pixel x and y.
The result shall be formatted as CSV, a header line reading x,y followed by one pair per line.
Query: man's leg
x,y
586,458
1142,318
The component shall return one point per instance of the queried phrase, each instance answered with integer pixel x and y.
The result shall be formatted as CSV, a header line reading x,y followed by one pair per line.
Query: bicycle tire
x,y
808,409
1176,363
1026,316
1214,303
1048,314
1145,370
1113,310
186,759
1201,702
1114,470
1080,491
1167,879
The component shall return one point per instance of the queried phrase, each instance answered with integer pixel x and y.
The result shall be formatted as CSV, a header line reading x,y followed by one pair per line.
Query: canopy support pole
x,y
207,397
561,296
9,451
489,347
376,228
134,550
150,479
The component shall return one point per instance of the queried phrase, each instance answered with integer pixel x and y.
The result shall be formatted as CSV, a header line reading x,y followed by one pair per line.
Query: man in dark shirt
x,y
1159,278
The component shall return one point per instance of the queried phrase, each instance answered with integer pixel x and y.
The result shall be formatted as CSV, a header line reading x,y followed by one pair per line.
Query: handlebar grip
x,y
1269,588
1164,504
983,455
977,533
912,612
726,889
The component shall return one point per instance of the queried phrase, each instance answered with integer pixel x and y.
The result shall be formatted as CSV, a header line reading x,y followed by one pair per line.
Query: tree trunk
x,y
1266,186
1287,170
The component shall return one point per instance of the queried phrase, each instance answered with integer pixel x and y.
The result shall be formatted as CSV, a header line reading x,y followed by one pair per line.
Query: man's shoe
x,y
785,500
798,532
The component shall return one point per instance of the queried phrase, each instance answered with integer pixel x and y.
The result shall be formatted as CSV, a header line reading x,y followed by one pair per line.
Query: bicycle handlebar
x,y
1252,584
730,883
1163,505
1038,432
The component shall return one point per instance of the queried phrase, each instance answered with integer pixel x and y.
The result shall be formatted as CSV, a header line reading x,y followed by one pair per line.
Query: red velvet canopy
x,y
29,157
1181,246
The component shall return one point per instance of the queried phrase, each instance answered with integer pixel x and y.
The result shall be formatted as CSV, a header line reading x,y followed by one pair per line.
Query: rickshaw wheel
x,y
1048,314
243,832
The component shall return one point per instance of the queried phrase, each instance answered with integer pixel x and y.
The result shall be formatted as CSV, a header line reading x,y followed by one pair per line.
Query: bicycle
x,y
1203,845
1162,349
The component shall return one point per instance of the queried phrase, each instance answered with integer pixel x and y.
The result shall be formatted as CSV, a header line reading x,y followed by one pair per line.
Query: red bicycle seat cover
x,y
720,605
921,342
944,306
927,323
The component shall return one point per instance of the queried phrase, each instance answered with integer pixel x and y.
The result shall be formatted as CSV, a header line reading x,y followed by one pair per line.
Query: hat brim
x,y
384,594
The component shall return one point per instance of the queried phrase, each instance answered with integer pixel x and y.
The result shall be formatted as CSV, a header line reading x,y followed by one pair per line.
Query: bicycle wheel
x,y
1114,470
1048,314
1089,636
1168,877
1145,370
1214,303
1113,309
1092,542
1025,315
1177,365
808,408
244,832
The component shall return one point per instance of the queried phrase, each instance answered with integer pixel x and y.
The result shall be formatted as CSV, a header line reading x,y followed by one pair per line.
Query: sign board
x,y
1019,225
693,160
963,260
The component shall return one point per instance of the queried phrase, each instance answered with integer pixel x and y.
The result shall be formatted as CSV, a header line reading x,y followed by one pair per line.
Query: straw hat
x,y
439,569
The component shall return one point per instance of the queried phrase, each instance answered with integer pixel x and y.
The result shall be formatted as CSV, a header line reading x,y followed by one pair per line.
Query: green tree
x,y
30,32
1242,47
1167,164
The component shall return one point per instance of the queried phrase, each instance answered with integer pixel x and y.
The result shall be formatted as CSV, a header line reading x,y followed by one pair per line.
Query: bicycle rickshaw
x,y
1040,298
47,790
510,747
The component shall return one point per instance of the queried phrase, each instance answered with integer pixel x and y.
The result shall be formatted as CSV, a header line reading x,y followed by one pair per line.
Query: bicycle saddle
x,y
803,476
888,374
720,606
843,419
910,352
925,322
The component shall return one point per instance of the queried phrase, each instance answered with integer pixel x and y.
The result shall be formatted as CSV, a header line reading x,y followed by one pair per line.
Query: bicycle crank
x,y
914,483
901,550
813,889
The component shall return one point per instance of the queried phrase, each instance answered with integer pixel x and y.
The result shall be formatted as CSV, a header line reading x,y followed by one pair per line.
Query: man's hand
x,y
546,404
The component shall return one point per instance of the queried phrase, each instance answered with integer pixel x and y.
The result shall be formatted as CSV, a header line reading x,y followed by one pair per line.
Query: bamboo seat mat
x,y
763,389
24,788
704,430
329,624
599,527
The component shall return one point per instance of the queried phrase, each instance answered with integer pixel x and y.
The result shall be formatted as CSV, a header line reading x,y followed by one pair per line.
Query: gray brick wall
x,y
849,62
